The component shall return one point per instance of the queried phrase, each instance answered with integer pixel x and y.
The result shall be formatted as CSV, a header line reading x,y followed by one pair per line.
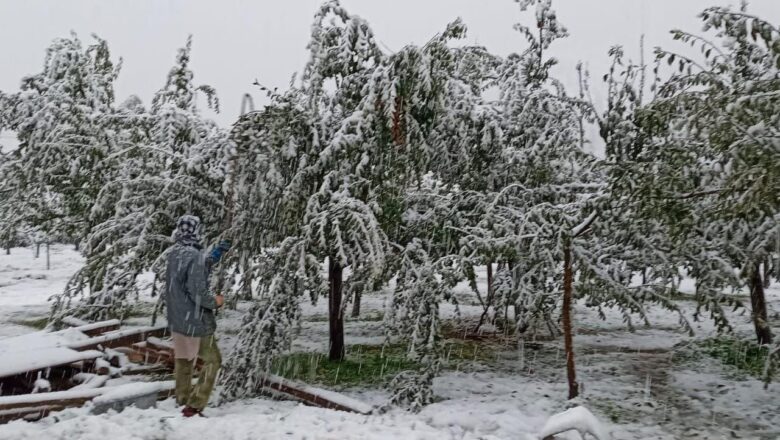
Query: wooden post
x,y
568,339
335,312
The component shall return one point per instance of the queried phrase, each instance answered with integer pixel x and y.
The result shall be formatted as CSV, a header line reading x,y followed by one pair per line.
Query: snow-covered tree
x,y
62,118
172,162
343,147
373,144
711,175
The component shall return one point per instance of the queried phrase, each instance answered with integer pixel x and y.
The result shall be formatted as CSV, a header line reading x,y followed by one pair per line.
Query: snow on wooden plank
x,y
119,338
70,397
35,406
132,390
313,396
159,344
33,360
97,328
89,381
38,340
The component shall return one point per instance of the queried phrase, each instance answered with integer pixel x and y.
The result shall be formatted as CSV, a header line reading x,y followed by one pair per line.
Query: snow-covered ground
x,y
634,383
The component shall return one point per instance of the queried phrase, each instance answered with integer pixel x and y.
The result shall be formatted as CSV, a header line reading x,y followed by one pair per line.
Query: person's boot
x,y
189,411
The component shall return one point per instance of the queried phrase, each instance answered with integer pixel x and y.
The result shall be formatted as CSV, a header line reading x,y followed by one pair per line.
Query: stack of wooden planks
x,y
48,371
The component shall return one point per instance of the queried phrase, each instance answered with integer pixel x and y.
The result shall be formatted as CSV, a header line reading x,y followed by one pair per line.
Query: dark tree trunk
x,y
758,302
356,305
335,312
568,341
8,249
767,273
48,257
246,277
37,250
76,244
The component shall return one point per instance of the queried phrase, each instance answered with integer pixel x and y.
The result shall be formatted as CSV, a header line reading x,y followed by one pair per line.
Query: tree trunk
x,y
567,329
37,250
48,257
8,249
356,305
246,276
767,272
336,314
490,279
488,297
76,244
758,303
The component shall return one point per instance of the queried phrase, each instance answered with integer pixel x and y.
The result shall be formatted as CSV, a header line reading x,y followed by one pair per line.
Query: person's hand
x,y
220,300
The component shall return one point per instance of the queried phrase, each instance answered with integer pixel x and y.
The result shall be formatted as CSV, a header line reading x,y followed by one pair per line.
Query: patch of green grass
x,y
610,410
36,323
372,315
140,310
363,365
459,351
746,357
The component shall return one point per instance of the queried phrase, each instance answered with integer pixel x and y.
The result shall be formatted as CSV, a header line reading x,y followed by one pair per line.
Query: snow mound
x,y
577,418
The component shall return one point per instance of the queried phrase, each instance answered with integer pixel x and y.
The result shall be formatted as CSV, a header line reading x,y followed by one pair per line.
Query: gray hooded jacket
x,y
189,303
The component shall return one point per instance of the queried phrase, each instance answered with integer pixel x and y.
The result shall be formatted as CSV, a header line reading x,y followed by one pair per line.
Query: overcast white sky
x,y
236,41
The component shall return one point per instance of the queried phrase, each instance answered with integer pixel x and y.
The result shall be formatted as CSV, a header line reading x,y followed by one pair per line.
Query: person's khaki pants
x,y
198,396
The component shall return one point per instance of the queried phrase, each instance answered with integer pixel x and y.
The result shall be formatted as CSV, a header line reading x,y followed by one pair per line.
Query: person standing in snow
x,y
191,309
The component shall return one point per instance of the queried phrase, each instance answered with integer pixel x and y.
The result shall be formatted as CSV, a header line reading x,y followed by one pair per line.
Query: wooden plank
x,y
281,387
36,406
120,338
98,328
27,362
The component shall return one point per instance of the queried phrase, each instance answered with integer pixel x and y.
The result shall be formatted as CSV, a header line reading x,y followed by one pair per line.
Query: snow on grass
x,y
26,285
24,279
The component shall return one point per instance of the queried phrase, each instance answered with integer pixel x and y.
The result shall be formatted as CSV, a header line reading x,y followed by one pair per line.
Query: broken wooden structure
x,y
48,371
